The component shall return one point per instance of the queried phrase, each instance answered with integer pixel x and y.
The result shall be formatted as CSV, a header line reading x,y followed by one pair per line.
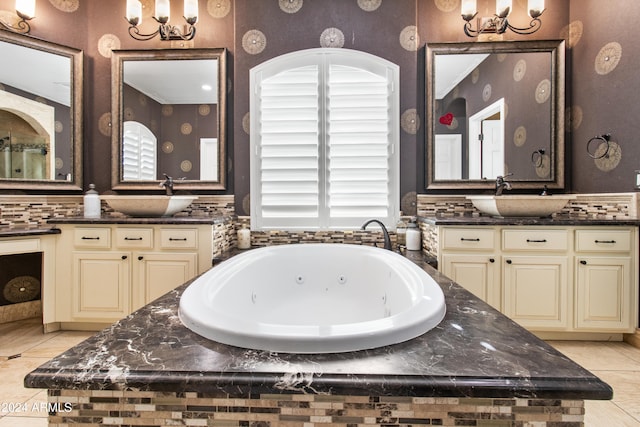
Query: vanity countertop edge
x,y
474,220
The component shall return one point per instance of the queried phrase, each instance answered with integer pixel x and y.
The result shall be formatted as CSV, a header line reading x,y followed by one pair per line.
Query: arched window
x,y
139,152
324,140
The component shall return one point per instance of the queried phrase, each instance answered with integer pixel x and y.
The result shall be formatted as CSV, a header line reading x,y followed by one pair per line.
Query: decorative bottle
x,y
91,203
414,236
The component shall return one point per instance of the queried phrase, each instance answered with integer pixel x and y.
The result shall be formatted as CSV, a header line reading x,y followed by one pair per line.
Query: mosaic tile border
x,y
33,211
600,205
127,408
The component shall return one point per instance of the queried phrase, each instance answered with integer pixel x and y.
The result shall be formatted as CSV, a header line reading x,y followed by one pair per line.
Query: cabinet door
x,y
100,286
536,291
158,273
476,273
604,298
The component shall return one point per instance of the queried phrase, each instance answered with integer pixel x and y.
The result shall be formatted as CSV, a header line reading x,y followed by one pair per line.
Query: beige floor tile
x,y
12,372
601,413
23,422
34,407
617,356
57,344
16,337
626,390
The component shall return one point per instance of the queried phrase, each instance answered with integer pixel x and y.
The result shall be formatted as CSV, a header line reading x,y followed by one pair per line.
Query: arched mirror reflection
x,y
40,114
168,118
496,108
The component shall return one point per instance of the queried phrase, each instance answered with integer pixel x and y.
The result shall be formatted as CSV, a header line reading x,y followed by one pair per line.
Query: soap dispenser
x,y
91,203
414,236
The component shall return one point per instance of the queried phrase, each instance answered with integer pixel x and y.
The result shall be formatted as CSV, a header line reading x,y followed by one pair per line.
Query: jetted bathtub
x,y
313,298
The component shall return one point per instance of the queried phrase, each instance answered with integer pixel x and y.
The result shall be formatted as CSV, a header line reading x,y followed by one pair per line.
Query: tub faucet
x,y
387,239
167,184
502,184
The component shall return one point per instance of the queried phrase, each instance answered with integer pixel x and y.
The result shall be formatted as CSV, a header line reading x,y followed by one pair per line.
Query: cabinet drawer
x,y
134,237
468,238
535,240
178,238
92,237
603,240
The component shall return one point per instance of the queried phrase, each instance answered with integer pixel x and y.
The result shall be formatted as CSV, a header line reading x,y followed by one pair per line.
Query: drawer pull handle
x,y
183,239
133,238
509,261
462,239
583,262
536,240
605,241
90,238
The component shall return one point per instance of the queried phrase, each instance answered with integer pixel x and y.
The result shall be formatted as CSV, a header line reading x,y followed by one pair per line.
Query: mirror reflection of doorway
x,y
486,142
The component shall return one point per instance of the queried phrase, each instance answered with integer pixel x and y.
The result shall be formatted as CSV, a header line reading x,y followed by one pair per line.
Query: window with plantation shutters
x,y
324,137
138,152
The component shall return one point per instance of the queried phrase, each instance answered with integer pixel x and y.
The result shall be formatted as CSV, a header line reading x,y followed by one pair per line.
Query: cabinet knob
x,y
509,261
583,262
492,260
140,258
124,257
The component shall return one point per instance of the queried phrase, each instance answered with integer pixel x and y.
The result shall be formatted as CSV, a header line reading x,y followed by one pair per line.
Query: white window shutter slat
x,y
323,126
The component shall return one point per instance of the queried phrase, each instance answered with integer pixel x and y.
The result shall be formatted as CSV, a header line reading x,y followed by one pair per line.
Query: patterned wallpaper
x,y
602,68
178,129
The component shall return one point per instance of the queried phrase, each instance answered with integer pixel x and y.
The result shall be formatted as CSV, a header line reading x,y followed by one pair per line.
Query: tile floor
x,y
618,364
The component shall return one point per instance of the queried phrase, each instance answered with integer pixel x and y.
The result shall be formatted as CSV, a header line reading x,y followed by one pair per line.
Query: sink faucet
x,y
167,184
387,239
502,184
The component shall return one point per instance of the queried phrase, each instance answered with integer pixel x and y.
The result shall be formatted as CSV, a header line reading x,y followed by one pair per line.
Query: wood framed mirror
x,y
40,114
495,108
168,117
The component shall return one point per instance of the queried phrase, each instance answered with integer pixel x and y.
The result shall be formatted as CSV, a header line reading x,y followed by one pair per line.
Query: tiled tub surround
x,y
476,367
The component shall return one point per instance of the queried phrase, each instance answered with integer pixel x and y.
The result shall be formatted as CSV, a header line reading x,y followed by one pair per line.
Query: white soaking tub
x,y
313,298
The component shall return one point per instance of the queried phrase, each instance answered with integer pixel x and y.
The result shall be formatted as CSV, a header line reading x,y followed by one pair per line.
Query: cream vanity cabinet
x,y
548,279
113,270
470,256
536,277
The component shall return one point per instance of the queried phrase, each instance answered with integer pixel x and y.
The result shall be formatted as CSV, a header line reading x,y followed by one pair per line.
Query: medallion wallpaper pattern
x,y
602,69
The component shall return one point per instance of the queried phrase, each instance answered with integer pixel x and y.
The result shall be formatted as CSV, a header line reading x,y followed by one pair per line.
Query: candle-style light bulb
x,y
163,9
469,9
191,11
503,8
134,12
26,9
536,7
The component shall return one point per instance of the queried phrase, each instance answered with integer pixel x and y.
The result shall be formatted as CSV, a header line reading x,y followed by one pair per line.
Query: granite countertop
x,y
134,220
474,352
550,221
27,231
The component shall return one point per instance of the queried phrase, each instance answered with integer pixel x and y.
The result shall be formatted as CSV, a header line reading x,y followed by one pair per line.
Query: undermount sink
x,y
520,205
148,206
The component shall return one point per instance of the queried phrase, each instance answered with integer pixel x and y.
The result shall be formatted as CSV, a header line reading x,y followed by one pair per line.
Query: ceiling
x,y
174,82
452,69
40,73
